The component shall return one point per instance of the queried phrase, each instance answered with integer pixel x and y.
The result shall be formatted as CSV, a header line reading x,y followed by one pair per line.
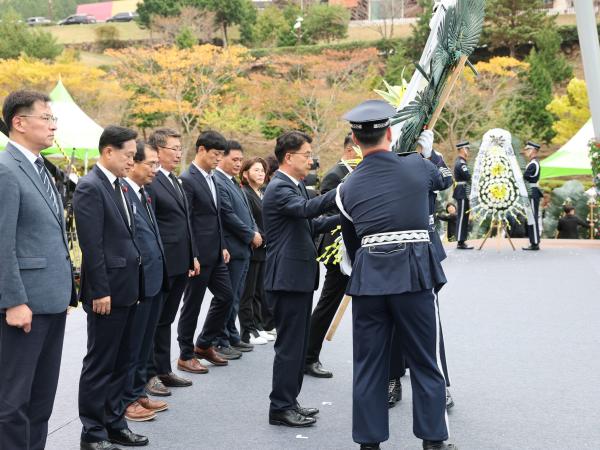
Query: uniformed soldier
x,y
532,176
396,275
462,177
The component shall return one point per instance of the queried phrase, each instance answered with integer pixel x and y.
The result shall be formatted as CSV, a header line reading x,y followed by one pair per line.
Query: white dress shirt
x,y
31,157
209,179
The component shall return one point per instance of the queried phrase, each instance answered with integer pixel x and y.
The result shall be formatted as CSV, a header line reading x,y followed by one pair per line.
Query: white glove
x,y
425,141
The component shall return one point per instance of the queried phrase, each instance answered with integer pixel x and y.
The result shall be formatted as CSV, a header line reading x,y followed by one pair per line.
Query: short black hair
x,y
449,205
290,142
272,165
140,151
568,208
233,145
370,137
3,127
211,140
115,136
348,140
20,101
159,137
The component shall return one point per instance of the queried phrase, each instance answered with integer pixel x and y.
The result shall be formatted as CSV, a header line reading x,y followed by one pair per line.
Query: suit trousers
x,y
238,269
216,278
144,324
462,220
415,317
105,372
332,294
161,363
292,319
29,368
251,300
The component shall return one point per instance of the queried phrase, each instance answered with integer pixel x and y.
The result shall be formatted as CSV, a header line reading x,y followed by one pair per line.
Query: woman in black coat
x,y
255,316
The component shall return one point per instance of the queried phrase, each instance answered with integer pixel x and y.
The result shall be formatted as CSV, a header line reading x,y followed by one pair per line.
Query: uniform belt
x,y
431,220
534,185
395,237
461,182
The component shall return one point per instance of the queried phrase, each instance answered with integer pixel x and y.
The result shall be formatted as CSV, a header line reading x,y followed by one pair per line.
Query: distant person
x,y
568,225
531,177
450,217
462,176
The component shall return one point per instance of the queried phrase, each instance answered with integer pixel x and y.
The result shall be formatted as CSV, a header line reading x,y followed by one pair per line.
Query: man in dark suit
x,y
241,235
292,271
36,283
335,281
111,286
205,206
173,218
136,403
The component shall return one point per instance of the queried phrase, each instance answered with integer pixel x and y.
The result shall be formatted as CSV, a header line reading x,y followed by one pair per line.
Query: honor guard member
x,y
395,277
532,176
462,176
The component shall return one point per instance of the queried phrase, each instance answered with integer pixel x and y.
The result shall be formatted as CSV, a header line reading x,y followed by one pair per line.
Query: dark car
x,y
123,17
77,19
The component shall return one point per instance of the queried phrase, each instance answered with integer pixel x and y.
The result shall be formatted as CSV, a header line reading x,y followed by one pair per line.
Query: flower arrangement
x,y
595,161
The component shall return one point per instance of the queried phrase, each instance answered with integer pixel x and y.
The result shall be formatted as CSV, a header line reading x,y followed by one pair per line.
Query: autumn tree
x,y
571,109
324,22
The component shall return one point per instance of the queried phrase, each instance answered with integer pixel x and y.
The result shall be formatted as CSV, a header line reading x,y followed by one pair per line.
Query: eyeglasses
x,y
307,155
152,165
48,118
175,149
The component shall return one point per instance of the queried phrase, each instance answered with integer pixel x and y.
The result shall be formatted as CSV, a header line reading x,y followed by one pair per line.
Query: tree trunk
x,y
225,38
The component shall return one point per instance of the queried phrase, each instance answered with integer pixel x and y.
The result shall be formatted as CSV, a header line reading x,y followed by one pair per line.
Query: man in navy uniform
x,y
292,271
532,176
395,277
462,176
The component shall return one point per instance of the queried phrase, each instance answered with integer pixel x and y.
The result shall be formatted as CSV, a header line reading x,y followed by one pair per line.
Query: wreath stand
x,y
500,226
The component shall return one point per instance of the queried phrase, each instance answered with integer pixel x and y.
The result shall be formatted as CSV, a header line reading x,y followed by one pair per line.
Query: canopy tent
x,y
3,141
572,158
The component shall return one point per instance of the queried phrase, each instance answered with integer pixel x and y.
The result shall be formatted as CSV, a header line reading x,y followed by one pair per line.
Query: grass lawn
x,y
78,34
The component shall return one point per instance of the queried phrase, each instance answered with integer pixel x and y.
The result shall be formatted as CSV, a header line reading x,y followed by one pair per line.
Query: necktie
x,y
176,186
144,201
48,185
120,201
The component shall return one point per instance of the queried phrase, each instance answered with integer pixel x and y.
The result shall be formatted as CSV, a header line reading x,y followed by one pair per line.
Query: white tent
x,y
573,157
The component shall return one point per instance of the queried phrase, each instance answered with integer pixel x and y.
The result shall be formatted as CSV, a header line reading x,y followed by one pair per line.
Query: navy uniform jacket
x,y
111,262
291,252
205,217
462,176
532,176
388,193
238,223
438,160
148,241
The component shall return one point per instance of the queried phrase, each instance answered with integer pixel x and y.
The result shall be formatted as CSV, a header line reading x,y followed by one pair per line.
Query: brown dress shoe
x,y
155,386
210,355
191,365
153,405
137,413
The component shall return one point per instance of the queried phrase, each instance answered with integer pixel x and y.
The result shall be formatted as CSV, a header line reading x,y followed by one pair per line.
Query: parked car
x,y
33,21
77,19
123,17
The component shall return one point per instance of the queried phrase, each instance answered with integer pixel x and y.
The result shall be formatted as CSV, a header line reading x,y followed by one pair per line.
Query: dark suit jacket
x,y
291,252
238,223
205,217
148,241
172,215
111,262
256,207
330,182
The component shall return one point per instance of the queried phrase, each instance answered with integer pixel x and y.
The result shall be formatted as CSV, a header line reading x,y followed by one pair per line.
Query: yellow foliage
x,y
572,110
499,66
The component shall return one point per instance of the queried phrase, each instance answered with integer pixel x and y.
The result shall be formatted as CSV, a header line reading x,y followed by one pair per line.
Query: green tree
x,y
19,38
186,39
514,22
549,54
420,31
270,24
398,66
326,22
166,8
230,12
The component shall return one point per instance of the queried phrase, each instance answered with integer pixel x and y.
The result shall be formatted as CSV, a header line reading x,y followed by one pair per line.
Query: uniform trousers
x,y
105,372
292,320
463,219
29,368
415,317
216,278
533,229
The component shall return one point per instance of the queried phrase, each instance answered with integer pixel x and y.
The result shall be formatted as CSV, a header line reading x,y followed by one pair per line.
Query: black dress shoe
x,y
243,346
290,418
370,447
463,246
394,392
316,370
228,353
172,380
449,401
127,438
308,412
438,445
102,445
532,247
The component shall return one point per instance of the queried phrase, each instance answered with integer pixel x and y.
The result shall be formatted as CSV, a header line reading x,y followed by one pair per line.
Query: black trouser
x,y
238,269
462,219
162,336
332,294
215,278
104,373
144,323
251,301
292,319
533,230
29,367
397,359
